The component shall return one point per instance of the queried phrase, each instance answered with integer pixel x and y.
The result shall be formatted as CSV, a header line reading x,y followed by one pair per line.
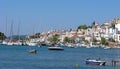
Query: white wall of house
x,y
62,38
118,37
110,31
117,26
88,38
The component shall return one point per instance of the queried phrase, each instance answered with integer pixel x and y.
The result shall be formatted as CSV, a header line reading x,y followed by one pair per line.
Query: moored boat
x,y
32,51
55,48
95,62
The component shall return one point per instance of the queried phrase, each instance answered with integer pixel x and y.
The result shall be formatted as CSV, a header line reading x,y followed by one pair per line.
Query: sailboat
x,y
5,41
10,42
19,41
32,42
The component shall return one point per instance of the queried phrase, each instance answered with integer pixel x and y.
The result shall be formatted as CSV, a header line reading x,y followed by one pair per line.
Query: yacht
x,y
55,48
95,62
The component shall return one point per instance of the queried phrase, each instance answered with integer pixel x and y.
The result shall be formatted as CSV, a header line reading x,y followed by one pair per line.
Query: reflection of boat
x,y
32,51
95,62
55,48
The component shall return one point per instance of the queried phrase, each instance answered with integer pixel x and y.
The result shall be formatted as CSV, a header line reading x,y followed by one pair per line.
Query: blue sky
x,y
44,15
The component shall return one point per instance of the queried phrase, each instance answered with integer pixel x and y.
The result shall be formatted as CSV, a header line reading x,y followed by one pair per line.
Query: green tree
x,y
54,38
93,24
89,26
111,40
37,35
2,36
113,25
82,27
103,40
94,40
68,40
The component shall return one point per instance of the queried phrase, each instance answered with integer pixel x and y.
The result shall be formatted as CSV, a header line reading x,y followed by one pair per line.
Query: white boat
x,y
107,47
88,47
32,44
70,45
18,43
10,43
95,62
32,51
4,42
55,48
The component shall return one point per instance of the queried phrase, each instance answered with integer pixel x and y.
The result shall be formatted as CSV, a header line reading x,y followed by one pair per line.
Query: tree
x,y
94,40
37,35
93,24
2,36
68,40
103,40
113,25
54,38
82,27
89,26
111,40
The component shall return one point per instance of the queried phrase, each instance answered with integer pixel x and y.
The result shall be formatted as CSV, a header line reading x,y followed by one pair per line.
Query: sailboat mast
x,y
6,26
19,30
11,31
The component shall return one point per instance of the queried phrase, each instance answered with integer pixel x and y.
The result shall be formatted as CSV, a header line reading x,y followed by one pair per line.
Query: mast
x,y
11,31
19,30
6,26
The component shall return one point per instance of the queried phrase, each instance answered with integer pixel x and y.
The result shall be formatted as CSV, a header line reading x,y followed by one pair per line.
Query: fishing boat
x,y
55,48
95,62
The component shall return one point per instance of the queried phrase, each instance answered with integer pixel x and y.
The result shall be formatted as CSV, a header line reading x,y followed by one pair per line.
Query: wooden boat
x,y
95,62
32,51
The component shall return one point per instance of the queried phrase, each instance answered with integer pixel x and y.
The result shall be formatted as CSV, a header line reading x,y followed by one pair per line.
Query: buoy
x,y
76,65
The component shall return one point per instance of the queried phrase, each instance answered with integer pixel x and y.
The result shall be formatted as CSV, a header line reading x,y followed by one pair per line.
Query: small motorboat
x,y
55,48
95,62
32,51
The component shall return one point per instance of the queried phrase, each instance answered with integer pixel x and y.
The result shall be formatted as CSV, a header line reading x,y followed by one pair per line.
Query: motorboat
x,y
55,48
32,51
95,62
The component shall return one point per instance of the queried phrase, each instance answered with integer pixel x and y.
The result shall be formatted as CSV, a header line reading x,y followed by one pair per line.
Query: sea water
x,y
17,57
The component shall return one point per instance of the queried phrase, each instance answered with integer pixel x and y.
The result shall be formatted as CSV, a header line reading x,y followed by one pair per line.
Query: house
x,y
88,38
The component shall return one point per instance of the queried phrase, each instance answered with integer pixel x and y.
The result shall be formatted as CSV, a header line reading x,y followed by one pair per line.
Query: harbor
x,y
18,57
59,34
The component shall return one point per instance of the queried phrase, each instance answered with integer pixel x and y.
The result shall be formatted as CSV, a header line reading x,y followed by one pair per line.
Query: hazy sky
x,y
44,15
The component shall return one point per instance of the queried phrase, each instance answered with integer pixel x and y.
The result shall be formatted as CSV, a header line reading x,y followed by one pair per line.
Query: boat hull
x,y
99,63
32,51
55,48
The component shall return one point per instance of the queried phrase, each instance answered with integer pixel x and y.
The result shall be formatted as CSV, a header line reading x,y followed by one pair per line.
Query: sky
x,y
34,16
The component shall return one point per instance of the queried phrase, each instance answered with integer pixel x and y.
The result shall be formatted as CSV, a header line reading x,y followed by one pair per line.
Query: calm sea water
x,y
17,57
